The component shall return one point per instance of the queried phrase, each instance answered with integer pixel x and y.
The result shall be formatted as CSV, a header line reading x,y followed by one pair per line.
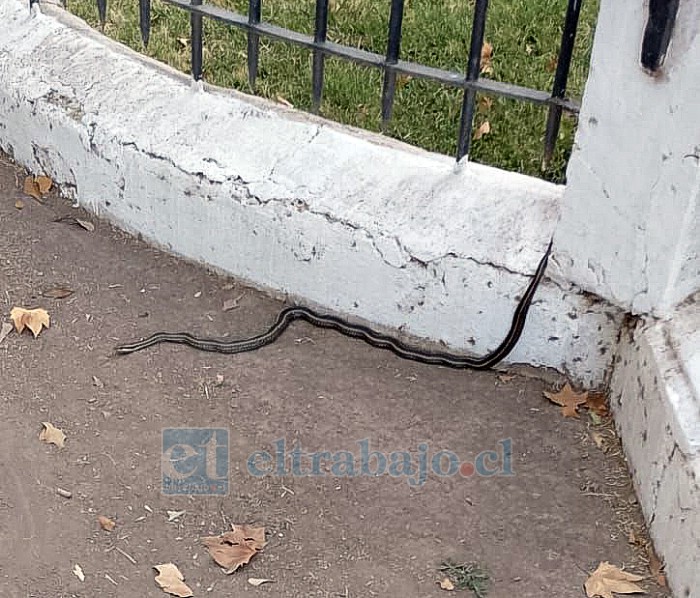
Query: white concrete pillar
x,y
630,224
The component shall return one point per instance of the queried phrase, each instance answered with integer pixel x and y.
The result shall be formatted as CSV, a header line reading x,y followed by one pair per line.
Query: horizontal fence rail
x,y
390,63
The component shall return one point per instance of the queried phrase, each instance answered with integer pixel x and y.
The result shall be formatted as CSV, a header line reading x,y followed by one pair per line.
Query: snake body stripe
x,y
373,338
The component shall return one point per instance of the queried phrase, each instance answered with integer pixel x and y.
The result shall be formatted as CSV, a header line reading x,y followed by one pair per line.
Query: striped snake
x,y
381,341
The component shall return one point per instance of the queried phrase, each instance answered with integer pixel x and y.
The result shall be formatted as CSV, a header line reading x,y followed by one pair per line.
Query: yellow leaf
x,y
34,319
446,584
106,523
608,578
172,581
31,188
52,435
484,129
19,204
568,399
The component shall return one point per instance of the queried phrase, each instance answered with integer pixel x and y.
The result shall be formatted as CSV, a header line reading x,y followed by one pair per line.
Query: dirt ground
x,y
567,506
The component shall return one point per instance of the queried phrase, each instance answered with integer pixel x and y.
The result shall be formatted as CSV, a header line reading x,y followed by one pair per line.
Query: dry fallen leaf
x,y
258,581
57,293
5,329
403,80
37,187
175,515
505,378
34,319
284,101
446,584
52,435
78,572
230,304
598,403
656,567
551,65
598,439
31,188
106,523
486,54
88,226
172,581
485,103
484,129
19,204
44,184
608,578
568,399
234,549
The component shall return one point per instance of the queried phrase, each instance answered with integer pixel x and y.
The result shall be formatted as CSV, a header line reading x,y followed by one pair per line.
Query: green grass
x,y
467,576
525,35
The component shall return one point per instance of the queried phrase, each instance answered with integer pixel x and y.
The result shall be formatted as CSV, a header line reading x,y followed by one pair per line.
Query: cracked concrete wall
x,y
630,228
655,398
630,232
353,222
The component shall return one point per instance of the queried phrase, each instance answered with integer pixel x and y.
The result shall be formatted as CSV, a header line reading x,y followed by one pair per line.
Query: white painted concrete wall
x,y
630,232
353,222
630,225
657,406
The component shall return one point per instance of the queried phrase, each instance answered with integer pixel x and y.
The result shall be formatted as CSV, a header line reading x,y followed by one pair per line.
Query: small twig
x,y
128,556
108,578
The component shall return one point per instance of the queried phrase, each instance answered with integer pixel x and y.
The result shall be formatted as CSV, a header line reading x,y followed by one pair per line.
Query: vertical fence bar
x,y
320,34
469,100
196,27
573,10
657,33
254,16
145,20
102,12
392,57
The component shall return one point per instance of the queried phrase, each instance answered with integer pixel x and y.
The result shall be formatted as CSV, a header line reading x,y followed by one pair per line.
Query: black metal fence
x,y
390,63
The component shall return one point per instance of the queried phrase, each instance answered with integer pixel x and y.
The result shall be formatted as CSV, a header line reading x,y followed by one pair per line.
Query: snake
x,y
321,320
